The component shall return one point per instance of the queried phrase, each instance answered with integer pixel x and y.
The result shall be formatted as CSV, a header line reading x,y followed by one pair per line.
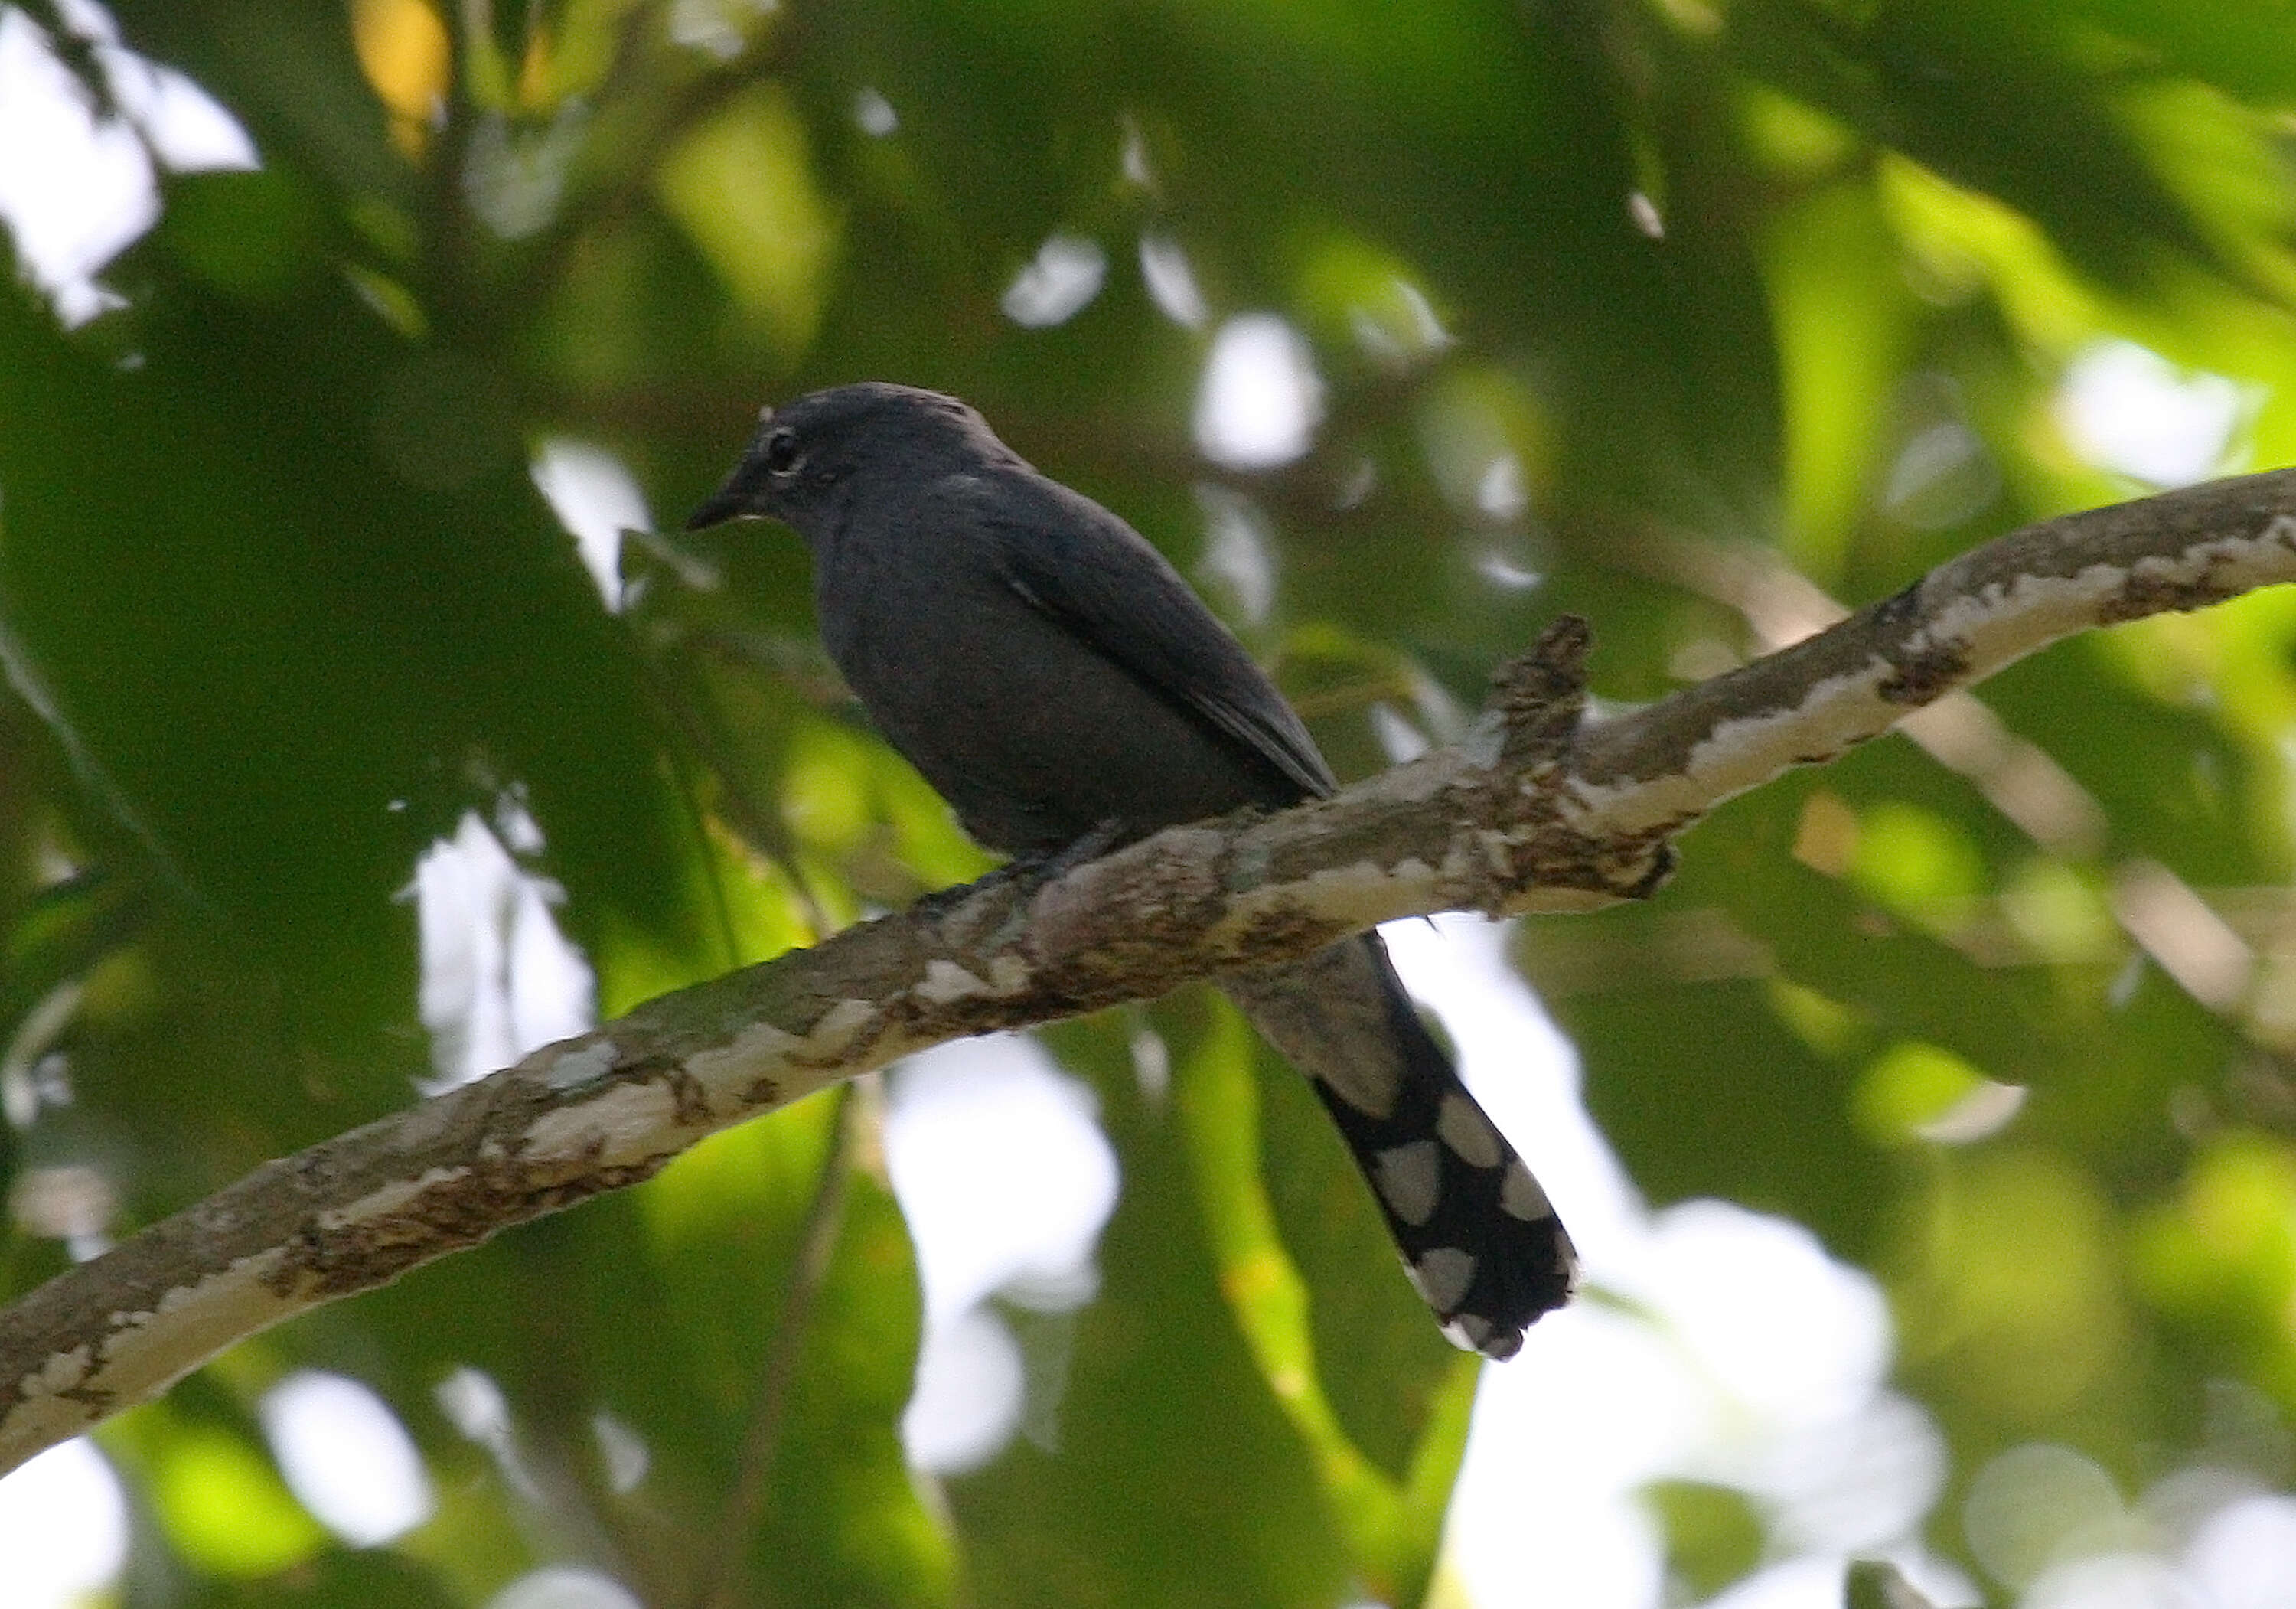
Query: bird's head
x,y
804,454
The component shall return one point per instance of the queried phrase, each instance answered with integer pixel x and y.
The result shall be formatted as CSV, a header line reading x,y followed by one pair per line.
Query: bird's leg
x,y
1030,869
1104,835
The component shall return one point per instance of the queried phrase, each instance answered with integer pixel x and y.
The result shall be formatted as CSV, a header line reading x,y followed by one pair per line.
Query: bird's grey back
x,y
1043,666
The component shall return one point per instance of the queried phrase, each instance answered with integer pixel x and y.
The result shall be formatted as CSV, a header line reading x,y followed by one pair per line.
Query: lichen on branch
x,y
1537,809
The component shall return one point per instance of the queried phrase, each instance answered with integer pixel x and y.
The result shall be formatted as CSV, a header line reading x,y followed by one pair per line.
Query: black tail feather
x,y
1478,1238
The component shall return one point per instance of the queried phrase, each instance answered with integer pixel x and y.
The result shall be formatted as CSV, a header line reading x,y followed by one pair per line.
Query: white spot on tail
x,y
1521,1196
1442,1278
1411,1179
1467,1131
1468,1332
1365,1082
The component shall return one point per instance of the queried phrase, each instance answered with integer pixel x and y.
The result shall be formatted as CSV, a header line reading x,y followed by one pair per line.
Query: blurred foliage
x,y
1611,300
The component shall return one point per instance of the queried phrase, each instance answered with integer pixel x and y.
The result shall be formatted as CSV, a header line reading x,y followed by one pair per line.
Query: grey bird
x,y
1058,683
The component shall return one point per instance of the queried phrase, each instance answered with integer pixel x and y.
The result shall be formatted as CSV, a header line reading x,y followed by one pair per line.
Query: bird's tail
x,y
1478,1238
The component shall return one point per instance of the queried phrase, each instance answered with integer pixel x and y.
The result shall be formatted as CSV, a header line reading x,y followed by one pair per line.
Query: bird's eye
x,y
781,452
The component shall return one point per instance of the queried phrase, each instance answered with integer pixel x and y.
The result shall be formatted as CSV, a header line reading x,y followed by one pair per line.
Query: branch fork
x,y
1538,809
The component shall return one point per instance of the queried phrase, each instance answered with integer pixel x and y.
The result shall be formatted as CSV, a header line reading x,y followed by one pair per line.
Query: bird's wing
x,y
1082,566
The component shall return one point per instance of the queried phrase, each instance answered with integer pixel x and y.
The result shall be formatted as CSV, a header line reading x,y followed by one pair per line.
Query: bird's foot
x,y
1028,871
1104,836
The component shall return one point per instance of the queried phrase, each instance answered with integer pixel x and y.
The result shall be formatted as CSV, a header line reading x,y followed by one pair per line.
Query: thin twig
x,y
719,1584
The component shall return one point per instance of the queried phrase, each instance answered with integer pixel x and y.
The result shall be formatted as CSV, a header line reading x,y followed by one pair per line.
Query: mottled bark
x,y
1537,810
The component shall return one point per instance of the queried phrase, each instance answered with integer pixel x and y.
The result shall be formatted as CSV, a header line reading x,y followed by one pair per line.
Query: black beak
x,y
729,500
737,496
742,491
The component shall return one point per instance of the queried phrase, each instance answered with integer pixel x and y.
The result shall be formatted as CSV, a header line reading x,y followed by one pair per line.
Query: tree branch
x,y
1534,812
